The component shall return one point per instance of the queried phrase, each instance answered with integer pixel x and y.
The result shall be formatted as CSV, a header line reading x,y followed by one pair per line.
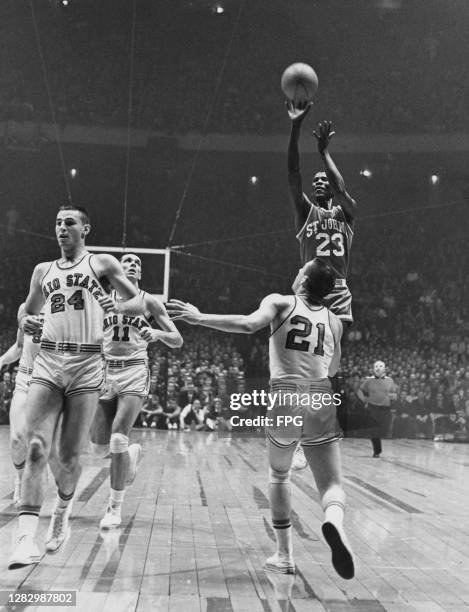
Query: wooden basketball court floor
x,y
196,531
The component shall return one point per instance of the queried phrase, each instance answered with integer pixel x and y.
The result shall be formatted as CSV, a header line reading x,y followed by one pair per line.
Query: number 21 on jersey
x,y
296,338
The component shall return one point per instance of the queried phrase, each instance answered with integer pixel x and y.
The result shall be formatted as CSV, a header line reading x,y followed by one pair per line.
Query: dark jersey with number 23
x,y
328,235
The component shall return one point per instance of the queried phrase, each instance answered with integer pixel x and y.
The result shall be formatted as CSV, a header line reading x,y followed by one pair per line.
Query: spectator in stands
x,y
193,412
422,410
188,394
152,412
404,424
6,392
171,414
442,412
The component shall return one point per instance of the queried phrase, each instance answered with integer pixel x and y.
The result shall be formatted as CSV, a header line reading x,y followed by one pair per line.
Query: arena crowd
x,y
407,314
174,85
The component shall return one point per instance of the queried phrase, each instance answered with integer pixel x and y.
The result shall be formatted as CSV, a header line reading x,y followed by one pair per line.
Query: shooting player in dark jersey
x,y
324,223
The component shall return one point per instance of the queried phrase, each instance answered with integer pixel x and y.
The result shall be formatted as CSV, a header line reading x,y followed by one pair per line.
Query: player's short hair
x,y
320,172
321,278
84,214
130,253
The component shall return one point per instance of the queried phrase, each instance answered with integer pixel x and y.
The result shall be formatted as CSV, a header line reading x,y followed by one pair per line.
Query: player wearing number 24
x,y
67,374
324,223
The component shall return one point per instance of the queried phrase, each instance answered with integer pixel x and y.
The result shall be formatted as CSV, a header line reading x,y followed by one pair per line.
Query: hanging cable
x,y
51,105
129,124
388,213
28,233
208,115
232,239
230,264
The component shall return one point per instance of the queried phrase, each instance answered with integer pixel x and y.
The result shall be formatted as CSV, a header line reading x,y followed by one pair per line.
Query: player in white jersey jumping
x,y
127,384
67,372
324,225
304,350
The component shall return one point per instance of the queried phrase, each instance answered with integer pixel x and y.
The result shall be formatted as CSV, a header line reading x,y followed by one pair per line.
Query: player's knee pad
x,y
119,443
278,477
101,451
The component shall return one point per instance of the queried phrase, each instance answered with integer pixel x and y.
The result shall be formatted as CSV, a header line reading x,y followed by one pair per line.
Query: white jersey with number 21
x,y
302,346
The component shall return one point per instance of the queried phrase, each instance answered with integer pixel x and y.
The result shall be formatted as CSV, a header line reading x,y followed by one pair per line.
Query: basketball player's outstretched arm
x,y
168,333
323,136
302,207
238,324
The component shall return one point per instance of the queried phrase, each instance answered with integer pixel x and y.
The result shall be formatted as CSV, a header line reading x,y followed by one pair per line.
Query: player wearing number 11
x,y
324,225
67,373
127,385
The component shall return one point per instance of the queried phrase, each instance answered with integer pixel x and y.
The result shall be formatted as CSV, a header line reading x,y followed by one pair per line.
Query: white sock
x,y
284,542
27,524
334,513
116,498
62,504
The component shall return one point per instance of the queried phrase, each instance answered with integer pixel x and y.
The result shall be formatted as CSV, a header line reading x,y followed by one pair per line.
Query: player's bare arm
x,y
107,266
168,333
20,332
302,206
324,135
270,307
337,329
14,352
30,322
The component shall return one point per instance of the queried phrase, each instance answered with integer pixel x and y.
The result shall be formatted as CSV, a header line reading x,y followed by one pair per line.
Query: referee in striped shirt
x,y
377,392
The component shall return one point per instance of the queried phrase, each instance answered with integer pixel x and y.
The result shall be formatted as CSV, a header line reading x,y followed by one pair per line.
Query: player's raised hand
x,y
297,112
323,135
31,325
107,303
183,311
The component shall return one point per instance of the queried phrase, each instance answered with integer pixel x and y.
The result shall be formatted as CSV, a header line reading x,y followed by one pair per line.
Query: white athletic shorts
x,y
131,377
72,373
303,411
23,379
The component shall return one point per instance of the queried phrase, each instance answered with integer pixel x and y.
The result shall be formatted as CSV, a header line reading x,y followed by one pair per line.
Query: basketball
x,y
299,82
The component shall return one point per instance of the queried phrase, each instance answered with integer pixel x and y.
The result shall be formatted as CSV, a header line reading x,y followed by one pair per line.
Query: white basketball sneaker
x,y
25,553
111,519
59,529
280,564
135,454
